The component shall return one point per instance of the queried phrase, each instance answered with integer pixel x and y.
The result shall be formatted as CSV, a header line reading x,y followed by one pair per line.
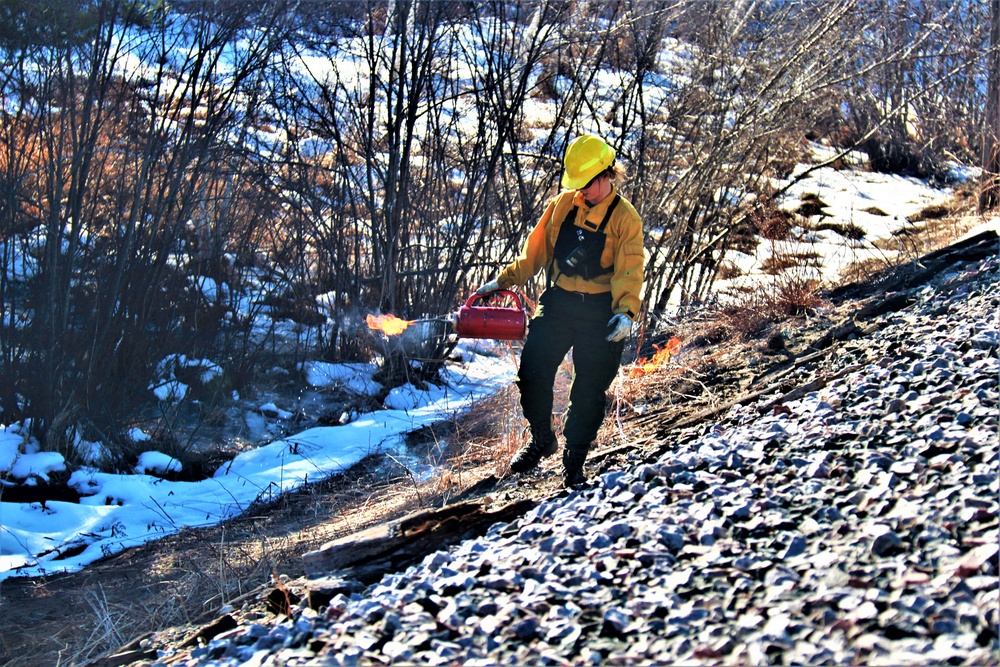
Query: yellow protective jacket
x,y
623,249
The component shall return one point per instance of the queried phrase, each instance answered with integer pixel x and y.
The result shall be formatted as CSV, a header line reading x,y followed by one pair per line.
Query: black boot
x,y
574,456
543,443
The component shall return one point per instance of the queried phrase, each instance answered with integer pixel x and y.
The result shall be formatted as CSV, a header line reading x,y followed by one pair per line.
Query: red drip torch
x,y
496,322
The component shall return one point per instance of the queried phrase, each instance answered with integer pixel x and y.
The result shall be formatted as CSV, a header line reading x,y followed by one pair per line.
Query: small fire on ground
x,y
390,325
660,358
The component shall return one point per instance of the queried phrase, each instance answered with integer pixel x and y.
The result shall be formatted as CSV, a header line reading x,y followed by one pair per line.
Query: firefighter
x,y
589,241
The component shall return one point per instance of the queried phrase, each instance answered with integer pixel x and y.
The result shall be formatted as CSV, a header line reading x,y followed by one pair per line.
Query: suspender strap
x,y
611,209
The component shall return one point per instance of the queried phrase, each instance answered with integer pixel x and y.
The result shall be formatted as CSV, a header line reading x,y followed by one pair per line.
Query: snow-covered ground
x,y
878,204
119,511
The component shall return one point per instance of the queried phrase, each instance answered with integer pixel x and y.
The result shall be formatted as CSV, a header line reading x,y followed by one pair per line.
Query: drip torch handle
x,y
475,297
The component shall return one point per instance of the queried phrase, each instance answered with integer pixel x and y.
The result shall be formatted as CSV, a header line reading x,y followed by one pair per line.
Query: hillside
x,y
205,203
191,575
846,512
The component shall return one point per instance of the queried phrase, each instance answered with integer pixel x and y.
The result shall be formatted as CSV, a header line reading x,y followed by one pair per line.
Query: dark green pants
x,y
563,321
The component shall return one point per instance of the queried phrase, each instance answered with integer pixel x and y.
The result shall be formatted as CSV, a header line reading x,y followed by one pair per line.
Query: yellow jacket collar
x,y
600,207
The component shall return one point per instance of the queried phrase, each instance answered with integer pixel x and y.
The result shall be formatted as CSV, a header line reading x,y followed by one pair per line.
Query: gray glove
x,y
491,286
620,326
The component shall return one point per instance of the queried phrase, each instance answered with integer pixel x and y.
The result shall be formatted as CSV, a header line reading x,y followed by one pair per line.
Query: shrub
x,y
788,295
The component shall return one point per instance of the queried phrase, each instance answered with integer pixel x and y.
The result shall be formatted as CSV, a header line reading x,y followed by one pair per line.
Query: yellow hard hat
x,y
587,156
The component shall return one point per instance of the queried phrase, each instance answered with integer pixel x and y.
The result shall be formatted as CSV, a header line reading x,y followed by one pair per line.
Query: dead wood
x,y
921,270
389,547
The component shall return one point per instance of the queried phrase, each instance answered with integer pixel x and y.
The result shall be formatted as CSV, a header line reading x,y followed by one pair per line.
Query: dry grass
x,y
777,263
728,270
847,230
857,272
927,230
175,582
489,435
752,312
929,235
188,577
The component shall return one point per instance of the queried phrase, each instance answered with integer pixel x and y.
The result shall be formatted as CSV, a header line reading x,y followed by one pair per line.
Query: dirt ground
x,y
185,579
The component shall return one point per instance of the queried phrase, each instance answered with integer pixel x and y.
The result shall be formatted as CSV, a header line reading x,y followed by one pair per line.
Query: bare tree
x,y
753,85
990,195
130,176
915,96
425,159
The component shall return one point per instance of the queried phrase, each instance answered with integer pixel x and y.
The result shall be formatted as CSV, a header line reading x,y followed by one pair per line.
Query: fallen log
x,y
921,270
368,555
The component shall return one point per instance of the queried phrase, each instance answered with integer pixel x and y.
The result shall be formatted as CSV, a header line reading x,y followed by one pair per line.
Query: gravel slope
x,y
855,524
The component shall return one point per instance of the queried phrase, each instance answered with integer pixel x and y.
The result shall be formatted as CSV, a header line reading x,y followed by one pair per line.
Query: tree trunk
x,y
989,195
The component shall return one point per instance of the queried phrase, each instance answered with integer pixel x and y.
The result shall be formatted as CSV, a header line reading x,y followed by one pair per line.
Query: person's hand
x,y
620,326
491,286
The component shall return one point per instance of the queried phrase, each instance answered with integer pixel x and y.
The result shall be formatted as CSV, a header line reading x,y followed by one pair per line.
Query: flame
x,y
390,325
661,357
